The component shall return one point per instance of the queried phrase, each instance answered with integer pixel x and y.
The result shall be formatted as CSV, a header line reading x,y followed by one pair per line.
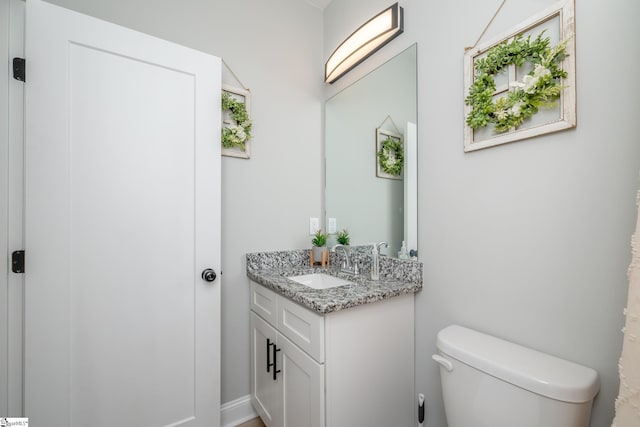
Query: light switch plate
x,y
314,225
331,226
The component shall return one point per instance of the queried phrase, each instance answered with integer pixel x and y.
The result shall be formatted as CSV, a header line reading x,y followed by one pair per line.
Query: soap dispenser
x,y
403,254
375,260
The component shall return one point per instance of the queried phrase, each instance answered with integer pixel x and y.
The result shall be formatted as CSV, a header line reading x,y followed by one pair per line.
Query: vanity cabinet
x,y
340,369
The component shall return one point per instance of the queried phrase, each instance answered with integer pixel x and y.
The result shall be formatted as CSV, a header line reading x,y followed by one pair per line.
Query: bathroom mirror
x,y
373,208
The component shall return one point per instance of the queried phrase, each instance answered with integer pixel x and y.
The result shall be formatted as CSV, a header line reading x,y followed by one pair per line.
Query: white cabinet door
x,y
122,214
295,398
302,387
266,396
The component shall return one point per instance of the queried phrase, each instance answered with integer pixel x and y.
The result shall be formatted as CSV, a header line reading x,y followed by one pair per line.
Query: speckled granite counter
x,y
271,269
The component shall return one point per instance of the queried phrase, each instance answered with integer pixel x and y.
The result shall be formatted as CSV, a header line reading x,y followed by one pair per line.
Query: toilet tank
x,y
489,382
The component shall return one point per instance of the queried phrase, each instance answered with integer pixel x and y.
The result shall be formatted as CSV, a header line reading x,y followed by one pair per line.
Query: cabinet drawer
x,y
263,302
302,326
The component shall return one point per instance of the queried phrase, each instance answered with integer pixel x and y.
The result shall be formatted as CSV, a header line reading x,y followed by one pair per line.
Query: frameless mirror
x,y
371,205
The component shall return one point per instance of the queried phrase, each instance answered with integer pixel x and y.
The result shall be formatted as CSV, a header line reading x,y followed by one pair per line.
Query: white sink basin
x,y
320,281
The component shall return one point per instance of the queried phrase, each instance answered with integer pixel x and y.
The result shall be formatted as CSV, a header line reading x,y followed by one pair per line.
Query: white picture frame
x,y
381,136
558,22
244,96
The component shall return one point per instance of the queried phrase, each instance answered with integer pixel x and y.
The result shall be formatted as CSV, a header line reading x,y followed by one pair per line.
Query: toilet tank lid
x,y
526,368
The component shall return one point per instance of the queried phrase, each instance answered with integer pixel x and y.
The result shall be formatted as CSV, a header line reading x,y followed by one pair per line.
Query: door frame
x,y
12,17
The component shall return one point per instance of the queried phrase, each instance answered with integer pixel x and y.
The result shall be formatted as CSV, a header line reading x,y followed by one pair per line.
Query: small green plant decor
x,y
319,239
342,237
319,242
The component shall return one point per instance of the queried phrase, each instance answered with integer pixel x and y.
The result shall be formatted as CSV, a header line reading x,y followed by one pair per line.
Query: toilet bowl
x,y
490,382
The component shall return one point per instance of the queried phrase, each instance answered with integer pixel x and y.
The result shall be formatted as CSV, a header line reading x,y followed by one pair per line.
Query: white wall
x,y
275,48
530,240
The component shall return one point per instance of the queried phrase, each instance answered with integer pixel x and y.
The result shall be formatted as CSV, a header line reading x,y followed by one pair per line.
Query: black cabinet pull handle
x,y
269,363
276,371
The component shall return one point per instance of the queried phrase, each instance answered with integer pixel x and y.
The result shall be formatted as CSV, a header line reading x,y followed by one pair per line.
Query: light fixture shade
x,y
364,41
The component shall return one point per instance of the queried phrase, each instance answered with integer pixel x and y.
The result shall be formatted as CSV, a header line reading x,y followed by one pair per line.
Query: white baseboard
x,y
236,412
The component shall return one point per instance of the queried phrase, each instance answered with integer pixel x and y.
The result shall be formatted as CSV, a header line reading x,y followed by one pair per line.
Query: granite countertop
x,y
271,270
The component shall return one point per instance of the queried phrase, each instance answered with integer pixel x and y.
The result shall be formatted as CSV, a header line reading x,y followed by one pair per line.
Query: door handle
x,y
209,275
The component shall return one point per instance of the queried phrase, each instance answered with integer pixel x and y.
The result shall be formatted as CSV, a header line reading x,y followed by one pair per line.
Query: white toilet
x,y
489,382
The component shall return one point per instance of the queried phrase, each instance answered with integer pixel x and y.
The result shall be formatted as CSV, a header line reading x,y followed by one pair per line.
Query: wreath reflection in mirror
x,y
389,154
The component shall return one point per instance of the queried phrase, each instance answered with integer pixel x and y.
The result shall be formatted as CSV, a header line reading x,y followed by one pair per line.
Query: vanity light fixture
x,y
364,42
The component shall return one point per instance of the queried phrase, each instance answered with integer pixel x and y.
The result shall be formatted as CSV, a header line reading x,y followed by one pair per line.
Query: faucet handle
x,y
379,244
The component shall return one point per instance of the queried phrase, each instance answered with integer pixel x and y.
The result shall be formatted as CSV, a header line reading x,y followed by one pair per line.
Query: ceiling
x,y
320,4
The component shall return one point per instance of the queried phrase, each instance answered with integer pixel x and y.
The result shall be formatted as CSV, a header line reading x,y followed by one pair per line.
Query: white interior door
x,y
121,217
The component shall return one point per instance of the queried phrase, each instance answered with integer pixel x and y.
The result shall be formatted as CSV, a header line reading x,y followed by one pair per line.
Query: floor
x,y
256,422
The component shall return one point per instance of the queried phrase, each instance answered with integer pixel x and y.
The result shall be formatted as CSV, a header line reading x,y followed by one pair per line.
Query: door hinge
x,y
17,261
19,69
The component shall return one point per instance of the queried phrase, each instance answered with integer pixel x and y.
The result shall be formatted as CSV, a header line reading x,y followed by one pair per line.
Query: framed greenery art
x,y
389,154
522,83
236,122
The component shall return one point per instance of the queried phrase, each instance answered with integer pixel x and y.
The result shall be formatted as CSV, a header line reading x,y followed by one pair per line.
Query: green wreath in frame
x,y
539,88
239,132
391,156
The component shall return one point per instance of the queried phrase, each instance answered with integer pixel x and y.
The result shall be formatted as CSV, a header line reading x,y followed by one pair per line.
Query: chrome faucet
x,y
347,266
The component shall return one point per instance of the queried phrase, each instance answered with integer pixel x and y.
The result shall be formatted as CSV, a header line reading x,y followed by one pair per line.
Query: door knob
x,y
209,275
